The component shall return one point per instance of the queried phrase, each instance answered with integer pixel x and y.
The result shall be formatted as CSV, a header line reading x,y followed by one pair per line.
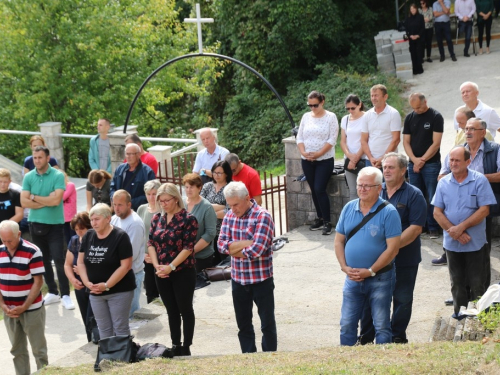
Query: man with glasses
x,y
132,175
367,257
461,204
485,159
411,206
470,92
246,174
207,157
422,133
146,157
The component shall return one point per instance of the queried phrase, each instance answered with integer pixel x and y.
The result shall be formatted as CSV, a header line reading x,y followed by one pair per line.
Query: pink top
x,y
69,202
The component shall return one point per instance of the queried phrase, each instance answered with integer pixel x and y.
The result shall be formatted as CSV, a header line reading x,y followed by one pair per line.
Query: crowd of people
x,y
135,234
421,23
378,244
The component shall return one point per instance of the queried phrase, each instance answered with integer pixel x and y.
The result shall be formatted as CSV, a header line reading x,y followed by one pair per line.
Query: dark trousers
x,y
487,259
402,304
51,245
427,45
201,264
443,30
466,27
466,269
480,28
243,298
82,297
176,292
68,232
416,55
150,282
318,174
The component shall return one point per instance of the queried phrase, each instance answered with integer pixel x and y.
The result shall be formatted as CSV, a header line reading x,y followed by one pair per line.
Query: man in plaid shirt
x,y
247,235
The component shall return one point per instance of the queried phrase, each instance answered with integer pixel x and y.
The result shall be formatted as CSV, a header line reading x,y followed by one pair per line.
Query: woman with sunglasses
x,y
316,141
171,247
350,140
428,14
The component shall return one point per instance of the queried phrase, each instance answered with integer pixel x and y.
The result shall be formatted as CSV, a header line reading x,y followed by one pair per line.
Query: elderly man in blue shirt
x,y
442,26
366,257
461,204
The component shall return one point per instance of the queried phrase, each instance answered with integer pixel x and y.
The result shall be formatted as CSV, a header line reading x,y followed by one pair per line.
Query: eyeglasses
x,y
350,108
469,129
313,105
131,153
218,173
165,201
366,187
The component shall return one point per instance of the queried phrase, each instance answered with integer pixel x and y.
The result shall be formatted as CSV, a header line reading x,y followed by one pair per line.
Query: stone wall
x,y
300,206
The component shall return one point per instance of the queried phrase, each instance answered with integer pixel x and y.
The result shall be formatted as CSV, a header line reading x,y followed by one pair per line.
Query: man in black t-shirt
x,y
422,133
10,200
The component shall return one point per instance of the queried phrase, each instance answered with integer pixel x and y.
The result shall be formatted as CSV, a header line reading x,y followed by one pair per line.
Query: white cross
x,y
199,21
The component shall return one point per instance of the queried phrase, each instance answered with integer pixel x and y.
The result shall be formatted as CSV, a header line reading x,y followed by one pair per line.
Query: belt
x,y
385,269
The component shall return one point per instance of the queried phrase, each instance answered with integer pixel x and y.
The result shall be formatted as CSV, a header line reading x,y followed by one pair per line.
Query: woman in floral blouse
x,y
214,193
171,247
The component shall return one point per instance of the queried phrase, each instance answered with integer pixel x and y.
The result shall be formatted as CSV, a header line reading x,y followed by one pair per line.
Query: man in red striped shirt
x,y
21,280
247,235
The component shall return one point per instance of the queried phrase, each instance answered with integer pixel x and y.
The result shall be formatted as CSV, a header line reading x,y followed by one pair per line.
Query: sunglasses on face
x,y
313,105
350,108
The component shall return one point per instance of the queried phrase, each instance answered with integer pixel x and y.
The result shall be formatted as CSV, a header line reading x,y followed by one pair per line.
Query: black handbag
x,y
154,351
116,348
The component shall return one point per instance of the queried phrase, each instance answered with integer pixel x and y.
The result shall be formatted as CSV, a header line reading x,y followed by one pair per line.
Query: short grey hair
x,y
402,159
172,190
101,209
151,185
10,225
235,189
208,130
368,171
232,159
483,123
469,83
133,145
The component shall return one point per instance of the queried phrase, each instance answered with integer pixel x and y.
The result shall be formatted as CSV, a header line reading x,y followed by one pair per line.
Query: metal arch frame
x,y
256,73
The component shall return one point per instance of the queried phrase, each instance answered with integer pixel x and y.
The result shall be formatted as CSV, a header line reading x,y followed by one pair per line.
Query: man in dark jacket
x,y
132,175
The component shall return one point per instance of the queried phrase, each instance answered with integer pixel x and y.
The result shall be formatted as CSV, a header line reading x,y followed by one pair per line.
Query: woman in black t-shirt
x,y
105,266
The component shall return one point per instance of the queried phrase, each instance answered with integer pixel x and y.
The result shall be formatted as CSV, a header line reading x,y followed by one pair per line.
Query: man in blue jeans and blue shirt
x,y
422,134
367,259
411,206
442,26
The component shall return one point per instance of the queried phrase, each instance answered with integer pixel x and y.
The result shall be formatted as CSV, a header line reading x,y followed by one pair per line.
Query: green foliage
x,y
75,61
490,318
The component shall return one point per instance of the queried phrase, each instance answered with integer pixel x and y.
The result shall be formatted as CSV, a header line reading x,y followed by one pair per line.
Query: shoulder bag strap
x,y
365,220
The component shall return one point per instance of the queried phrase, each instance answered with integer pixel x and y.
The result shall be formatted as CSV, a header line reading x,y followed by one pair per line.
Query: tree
x,y
75,61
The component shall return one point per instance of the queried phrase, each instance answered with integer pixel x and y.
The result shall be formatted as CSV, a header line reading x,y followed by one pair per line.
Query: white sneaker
x,y
68,303
51,298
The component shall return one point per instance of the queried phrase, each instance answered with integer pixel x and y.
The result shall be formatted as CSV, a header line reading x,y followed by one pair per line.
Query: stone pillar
x,y
197,133
117,145
301,209
51,133
163,155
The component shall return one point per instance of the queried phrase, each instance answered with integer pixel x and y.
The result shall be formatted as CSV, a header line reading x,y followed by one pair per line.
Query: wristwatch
x,y
371,271
32,197
106,287
172,266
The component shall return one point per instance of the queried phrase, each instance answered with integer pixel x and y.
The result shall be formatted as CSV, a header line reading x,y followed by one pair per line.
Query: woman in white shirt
x,y
350,141
316,141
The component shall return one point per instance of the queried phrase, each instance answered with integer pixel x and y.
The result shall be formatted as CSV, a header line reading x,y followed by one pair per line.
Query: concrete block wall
x,y
393,54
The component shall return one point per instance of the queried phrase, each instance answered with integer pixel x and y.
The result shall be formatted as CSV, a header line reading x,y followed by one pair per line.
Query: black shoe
x,y
433,234
453,58
441,261
448,302
185,351
177,350
327,229
317,225
399,340
441,59
429,59
466,55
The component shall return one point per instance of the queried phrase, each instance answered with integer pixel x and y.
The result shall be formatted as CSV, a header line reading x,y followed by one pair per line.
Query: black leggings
x,y
150,282
176,292
427,45
480,28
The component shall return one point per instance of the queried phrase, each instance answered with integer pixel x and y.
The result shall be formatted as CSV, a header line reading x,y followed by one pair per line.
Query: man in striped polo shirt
x,y
21,280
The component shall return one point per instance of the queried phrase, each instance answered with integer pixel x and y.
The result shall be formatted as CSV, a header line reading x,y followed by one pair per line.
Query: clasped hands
x,y
458,234
96,288
311,156
357,274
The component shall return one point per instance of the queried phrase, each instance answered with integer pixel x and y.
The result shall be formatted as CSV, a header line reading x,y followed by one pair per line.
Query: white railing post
x,y
51,133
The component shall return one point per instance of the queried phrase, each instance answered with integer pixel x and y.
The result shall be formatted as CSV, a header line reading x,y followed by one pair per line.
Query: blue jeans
x,y
318,174
243,298
402,303
443,29
466,27
426,180
139,277
377,292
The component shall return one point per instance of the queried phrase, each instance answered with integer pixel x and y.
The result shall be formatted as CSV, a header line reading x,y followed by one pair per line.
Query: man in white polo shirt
x,y
381,131
470,92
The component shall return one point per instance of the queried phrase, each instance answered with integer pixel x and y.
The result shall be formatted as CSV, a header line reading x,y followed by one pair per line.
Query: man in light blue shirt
x,y
441,10
461,204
